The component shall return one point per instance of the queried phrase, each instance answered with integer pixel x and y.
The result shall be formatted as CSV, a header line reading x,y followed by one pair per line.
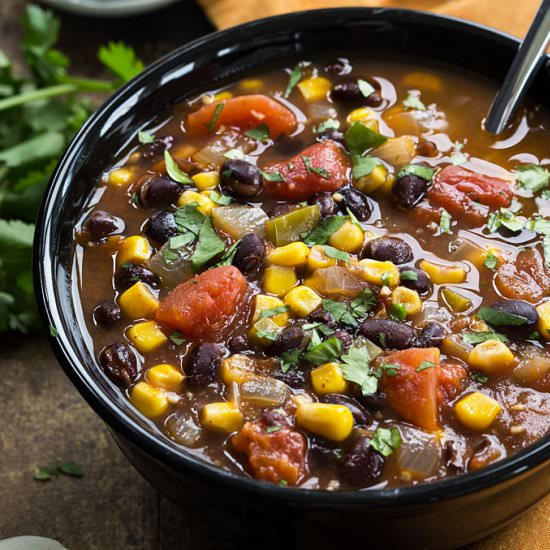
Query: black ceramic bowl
x,y
445,514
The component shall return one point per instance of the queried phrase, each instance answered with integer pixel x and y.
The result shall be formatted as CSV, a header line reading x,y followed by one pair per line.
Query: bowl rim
x,y
530,458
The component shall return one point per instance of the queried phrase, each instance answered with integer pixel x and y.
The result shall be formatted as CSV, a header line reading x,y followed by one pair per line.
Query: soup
x,y
328,276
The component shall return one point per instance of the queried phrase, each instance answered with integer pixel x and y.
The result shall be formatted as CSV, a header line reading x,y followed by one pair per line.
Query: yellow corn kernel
x,y
138,302
134,249
206,180
302,300
477,411
279,279
328,378
379,273
315,89
121,177
251,84
150,401
373,181
237,368
544,319
222,417
348,238
164,376
423,82
443,274
205,204
334,422
408,298
214,98
360,115
266,324
491,356
293,254
318,259
146,336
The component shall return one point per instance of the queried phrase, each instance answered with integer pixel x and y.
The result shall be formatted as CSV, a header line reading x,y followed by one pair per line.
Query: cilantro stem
x,y
42,93
89,84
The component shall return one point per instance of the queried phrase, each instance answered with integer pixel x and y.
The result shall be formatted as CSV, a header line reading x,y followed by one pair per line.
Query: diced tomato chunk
x,y
321,167
451,380
243,112
469,195
204,307
414,395
279,456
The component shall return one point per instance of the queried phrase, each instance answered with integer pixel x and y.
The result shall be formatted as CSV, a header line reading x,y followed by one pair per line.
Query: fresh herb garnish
x,y
425,365
325,174
53,332
385,278
474,338
477,376
229,254
169,256
267,335
413,101
340,311
271,312
496,317
218,198
397,312
505,218
211,124
208,246
173,169
409,275
491,260
189,218
234,154
325,352
45,473
176,338
181,240
359,137
390,369
363,166
68,468
356,368
272,176
532,177
546,249
329,124
119,58
424,172
457,156
332,252
145,137
134,198
290,359
363,303
445,222
272,429
386,441
321,234
365,88
260,133
295,77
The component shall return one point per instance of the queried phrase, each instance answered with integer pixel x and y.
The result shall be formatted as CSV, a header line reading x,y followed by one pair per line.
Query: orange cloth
x,y
532,531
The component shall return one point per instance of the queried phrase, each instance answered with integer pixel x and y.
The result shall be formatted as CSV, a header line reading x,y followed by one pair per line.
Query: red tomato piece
x,y
451,380
204,307
321,167
279,456
457,203
414,395
243,112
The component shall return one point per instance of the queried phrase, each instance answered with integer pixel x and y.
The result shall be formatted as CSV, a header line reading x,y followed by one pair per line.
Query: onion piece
x,y
264,391
397,151
238,220
336,282
419,453
174,272
213,153
534,364
183,429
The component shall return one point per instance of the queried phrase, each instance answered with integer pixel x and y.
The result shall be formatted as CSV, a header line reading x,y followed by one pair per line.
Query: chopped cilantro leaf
x,y
322,233
365,88
363,303
189,218
332,252
409,275
272,176
271,312
532,177
474,338
290,359
234,154
390,369
424,172
414,102
272,429
219,198
386,441
260,133
445,222
173,169
267,335
211,124
53,332
359,137
356,368
176,338
363,166
121,60
397,312
340,312
295,77
491,260
329,124
457,156
145,137
229,254
71,468
325,352
479,377
45,473
496,317
425,365
208,246
325,174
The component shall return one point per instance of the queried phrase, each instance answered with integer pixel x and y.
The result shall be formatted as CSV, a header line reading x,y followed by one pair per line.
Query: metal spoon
x,y
525,66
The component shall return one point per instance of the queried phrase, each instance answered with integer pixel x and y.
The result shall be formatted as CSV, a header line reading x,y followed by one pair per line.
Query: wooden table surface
x,y
45,419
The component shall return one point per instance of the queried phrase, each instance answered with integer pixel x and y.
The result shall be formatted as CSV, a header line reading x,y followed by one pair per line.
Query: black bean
x,y
349,92
431,335
518,307
119,362
389,249
107,313
360,414
387,333
130,274
419,282
362,465
273,417
409,189
156,148
357,202
295,378
322,451
280,209
322,316
240,178
249,254
161,227
237,343
202,366
339,68
325,202
331,134
287,339
345,337
159,191
100,224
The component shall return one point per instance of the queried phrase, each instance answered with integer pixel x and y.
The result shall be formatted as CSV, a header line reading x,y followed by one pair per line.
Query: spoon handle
x,y
524,68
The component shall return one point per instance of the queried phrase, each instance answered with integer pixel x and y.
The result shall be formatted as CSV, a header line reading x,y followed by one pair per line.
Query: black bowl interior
x,y
208,63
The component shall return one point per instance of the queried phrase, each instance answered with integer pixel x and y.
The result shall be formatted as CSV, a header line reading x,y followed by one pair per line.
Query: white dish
x,y
108,8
